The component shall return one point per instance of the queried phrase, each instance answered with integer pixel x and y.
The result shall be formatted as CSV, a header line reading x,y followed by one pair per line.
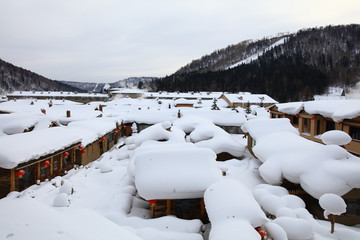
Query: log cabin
x,y
312,125
188,172
264,132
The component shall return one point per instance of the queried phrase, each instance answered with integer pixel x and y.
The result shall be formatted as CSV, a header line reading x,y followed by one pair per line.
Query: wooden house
x,y
174,180
311,126
30,157
182,102
264,130
102,136
72,96
246,99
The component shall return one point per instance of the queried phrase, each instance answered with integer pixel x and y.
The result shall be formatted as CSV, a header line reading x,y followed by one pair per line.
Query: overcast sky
x,y
109,40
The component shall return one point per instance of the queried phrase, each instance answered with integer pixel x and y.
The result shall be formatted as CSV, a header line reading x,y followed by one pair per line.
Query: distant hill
x,y
133,82
16,78
289,67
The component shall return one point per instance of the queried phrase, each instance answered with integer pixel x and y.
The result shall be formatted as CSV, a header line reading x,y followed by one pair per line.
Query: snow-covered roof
x,y
55,94
259,128
23,147
18,122
98,127
318,168
187,95
338,110
128,91
183,101
248,97
188,172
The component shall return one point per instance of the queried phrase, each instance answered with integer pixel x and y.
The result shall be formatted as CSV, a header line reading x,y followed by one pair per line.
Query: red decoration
x,y
81,147
115,132
20,173
119,129
268,110
297,115
152,201
245,133
313,117
83,151
261,231
103,139
283,114
66,154
46,163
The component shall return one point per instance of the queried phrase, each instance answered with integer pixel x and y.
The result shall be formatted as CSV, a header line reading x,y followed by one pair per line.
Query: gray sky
x,y
109,40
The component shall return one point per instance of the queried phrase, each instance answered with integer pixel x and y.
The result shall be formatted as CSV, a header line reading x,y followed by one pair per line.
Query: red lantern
x,y
261,231
313,117
20,173
83,151
152,201
245,133
115,132
103,139
297,115
46,163
268,111
81,147
66,154
124,127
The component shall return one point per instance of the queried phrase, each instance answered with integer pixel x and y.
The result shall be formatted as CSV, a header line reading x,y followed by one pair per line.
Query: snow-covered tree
x,y
214,106
332,205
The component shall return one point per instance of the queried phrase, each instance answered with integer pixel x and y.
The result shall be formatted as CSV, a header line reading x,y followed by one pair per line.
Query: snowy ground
x,y
103,204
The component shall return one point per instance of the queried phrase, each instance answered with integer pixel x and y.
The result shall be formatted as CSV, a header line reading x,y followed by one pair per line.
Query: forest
x,y
307,63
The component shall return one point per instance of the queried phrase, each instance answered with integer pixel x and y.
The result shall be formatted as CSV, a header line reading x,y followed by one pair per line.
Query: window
x,y
330,125
295,120
305,123
111,137
273,115
42,171
318,127
355,133
55,165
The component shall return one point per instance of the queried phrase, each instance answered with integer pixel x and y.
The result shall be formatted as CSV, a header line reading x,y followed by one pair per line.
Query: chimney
x,y
100,108
179,114
68,113
43,111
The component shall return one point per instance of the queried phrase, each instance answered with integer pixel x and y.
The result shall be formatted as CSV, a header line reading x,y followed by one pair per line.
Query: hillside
x,y
16,78
302,65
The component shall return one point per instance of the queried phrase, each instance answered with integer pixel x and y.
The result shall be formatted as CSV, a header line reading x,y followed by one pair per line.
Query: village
x,y
132,164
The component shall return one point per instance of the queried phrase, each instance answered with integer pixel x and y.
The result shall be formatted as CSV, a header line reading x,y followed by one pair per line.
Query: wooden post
x,y
332,219
12,180
168,207
68,113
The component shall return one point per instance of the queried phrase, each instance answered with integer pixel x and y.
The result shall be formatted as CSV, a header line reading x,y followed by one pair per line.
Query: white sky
x,y
109,40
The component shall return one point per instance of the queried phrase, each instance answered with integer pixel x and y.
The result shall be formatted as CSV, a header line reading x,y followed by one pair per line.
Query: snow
x,y
336,137
295,228
258,54
229,200
106,199
34,145
338,110
62,200
259,128
291,108
188,172
332,204
317,168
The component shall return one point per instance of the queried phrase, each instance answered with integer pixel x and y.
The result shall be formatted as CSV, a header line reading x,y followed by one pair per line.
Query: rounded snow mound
x,y
62,200
332,204
336,137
